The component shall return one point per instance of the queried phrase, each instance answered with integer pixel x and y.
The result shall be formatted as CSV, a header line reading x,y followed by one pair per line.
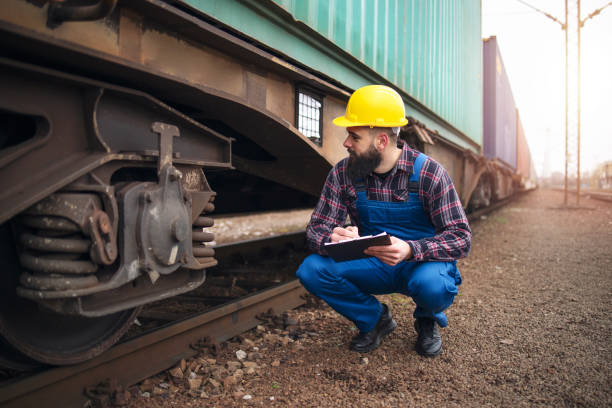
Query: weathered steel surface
x,y
60,12
81,129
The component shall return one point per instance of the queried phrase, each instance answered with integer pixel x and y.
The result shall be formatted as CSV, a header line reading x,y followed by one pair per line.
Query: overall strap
x,y
413,183
360,186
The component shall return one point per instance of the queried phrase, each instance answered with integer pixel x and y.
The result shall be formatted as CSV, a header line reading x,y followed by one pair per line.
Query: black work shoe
x,y
366,342
429,341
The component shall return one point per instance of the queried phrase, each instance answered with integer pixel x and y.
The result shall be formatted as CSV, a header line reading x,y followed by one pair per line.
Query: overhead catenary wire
x,y
563,25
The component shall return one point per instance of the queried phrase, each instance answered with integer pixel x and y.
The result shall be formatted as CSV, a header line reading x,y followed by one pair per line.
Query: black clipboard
x,y
353,248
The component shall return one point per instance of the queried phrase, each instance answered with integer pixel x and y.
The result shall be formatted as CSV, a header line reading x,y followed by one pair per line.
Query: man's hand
x,y
339,233
398,251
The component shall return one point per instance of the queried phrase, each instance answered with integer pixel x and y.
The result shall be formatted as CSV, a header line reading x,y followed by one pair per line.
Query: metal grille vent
x,y
309,112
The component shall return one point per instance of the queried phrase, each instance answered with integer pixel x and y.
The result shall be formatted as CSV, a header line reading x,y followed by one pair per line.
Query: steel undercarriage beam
x,y
83,125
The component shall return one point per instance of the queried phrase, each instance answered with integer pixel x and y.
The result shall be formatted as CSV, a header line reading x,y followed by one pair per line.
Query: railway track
x,y
146,355
158,349
596,195
132,359
600,196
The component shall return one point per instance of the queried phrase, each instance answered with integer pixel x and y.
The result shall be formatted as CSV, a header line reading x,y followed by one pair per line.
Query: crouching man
x,y
384,185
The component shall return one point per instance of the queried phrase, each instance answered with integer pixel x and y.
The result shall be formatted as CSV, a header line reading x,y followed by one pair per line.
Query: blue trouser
x,y
348,286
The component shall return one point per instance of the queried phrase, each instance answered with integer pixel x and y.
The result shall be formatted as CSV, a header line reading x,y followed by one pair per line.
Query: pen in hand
x,y
339,233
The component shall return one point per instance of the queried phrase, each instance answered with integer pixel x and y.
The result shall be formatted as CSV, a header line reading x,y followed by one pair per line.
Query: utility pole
x,y
579,25
565,27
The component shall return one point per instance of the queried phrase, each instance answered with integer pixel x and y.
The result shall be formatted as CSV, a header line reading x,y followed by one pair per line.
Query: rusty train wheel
x,y
45,336
51,338
12,359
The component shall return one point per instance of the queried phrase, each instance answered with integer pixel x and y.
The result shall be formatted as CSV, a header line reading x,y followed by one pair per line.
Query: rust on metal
x,y
60,12
57,282
131,361
62,156
166,133
203,236
104,239
420,130
46,265
54,244
206,344
204,222
107,394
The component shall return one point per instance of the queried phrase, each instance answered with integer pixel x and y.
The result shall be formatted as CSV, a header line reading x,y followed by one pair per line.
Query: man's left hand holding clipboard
x,y
354,248
398,251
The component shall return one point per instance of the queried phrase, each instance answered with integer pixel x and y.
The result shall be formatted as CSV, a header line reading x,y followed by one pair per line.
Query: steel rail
x,y
146,355
253,247
598,195
595,195
475,215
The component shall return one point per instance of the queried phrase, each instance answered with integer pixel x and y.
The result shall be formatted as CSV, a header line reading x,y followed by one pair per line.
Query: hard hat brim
x,y
342,121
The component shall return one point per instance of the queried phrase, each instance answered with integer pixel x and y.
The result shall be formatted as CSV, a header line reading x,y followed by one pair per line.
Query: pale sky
x,y
533,50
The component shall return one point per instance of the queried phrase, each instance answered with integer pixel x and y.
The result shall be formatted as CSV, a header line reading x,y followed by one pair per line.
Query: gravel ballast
x,y
531,326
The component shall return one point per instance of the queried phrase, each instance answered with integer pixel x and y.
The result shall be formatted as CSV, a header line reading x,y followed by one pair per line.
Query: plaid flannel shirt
x,y
436,192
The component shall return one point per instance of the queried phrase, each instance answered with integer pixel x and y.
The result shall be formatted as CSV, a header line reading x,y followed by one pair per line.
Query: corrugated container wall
x,y
499,110
430,49
426,48
523,156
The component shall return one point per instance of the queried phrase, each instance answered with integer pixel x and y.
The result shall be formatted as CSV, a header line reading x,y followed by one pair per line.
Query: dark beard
x,y
360,166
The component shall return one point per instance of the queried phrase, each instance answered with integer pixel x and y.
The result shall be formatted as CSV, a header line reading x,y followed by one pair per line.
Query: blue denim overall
x,y
348,286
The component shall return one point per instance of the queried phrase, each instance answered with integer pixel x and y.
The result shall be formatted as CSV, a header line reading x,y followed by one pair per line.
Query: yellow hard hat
x,y
374,106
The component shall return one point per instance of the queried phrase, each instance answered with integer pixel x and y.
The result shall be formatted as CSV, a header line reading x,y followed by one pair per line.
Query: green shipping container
x,y
430,50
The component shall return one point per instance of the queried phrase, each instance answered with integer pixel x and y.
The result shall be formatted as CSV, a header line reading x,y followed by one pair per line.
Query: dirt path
x,y
531,326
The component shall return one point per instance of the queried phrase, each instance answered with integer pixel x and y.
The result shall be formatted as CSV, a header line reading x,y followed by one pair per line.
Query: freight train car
x,y
504,142
525,176
122,121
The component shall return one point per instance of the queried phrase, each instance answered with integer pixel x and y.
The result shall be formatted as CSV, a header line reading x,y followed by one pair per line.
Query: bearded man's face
x,y
362,164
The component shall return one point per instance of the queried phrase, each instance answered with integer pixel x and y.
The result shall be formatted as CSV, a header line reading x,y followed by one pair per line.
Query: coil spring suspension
x,y
62,242
53,251
203,254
